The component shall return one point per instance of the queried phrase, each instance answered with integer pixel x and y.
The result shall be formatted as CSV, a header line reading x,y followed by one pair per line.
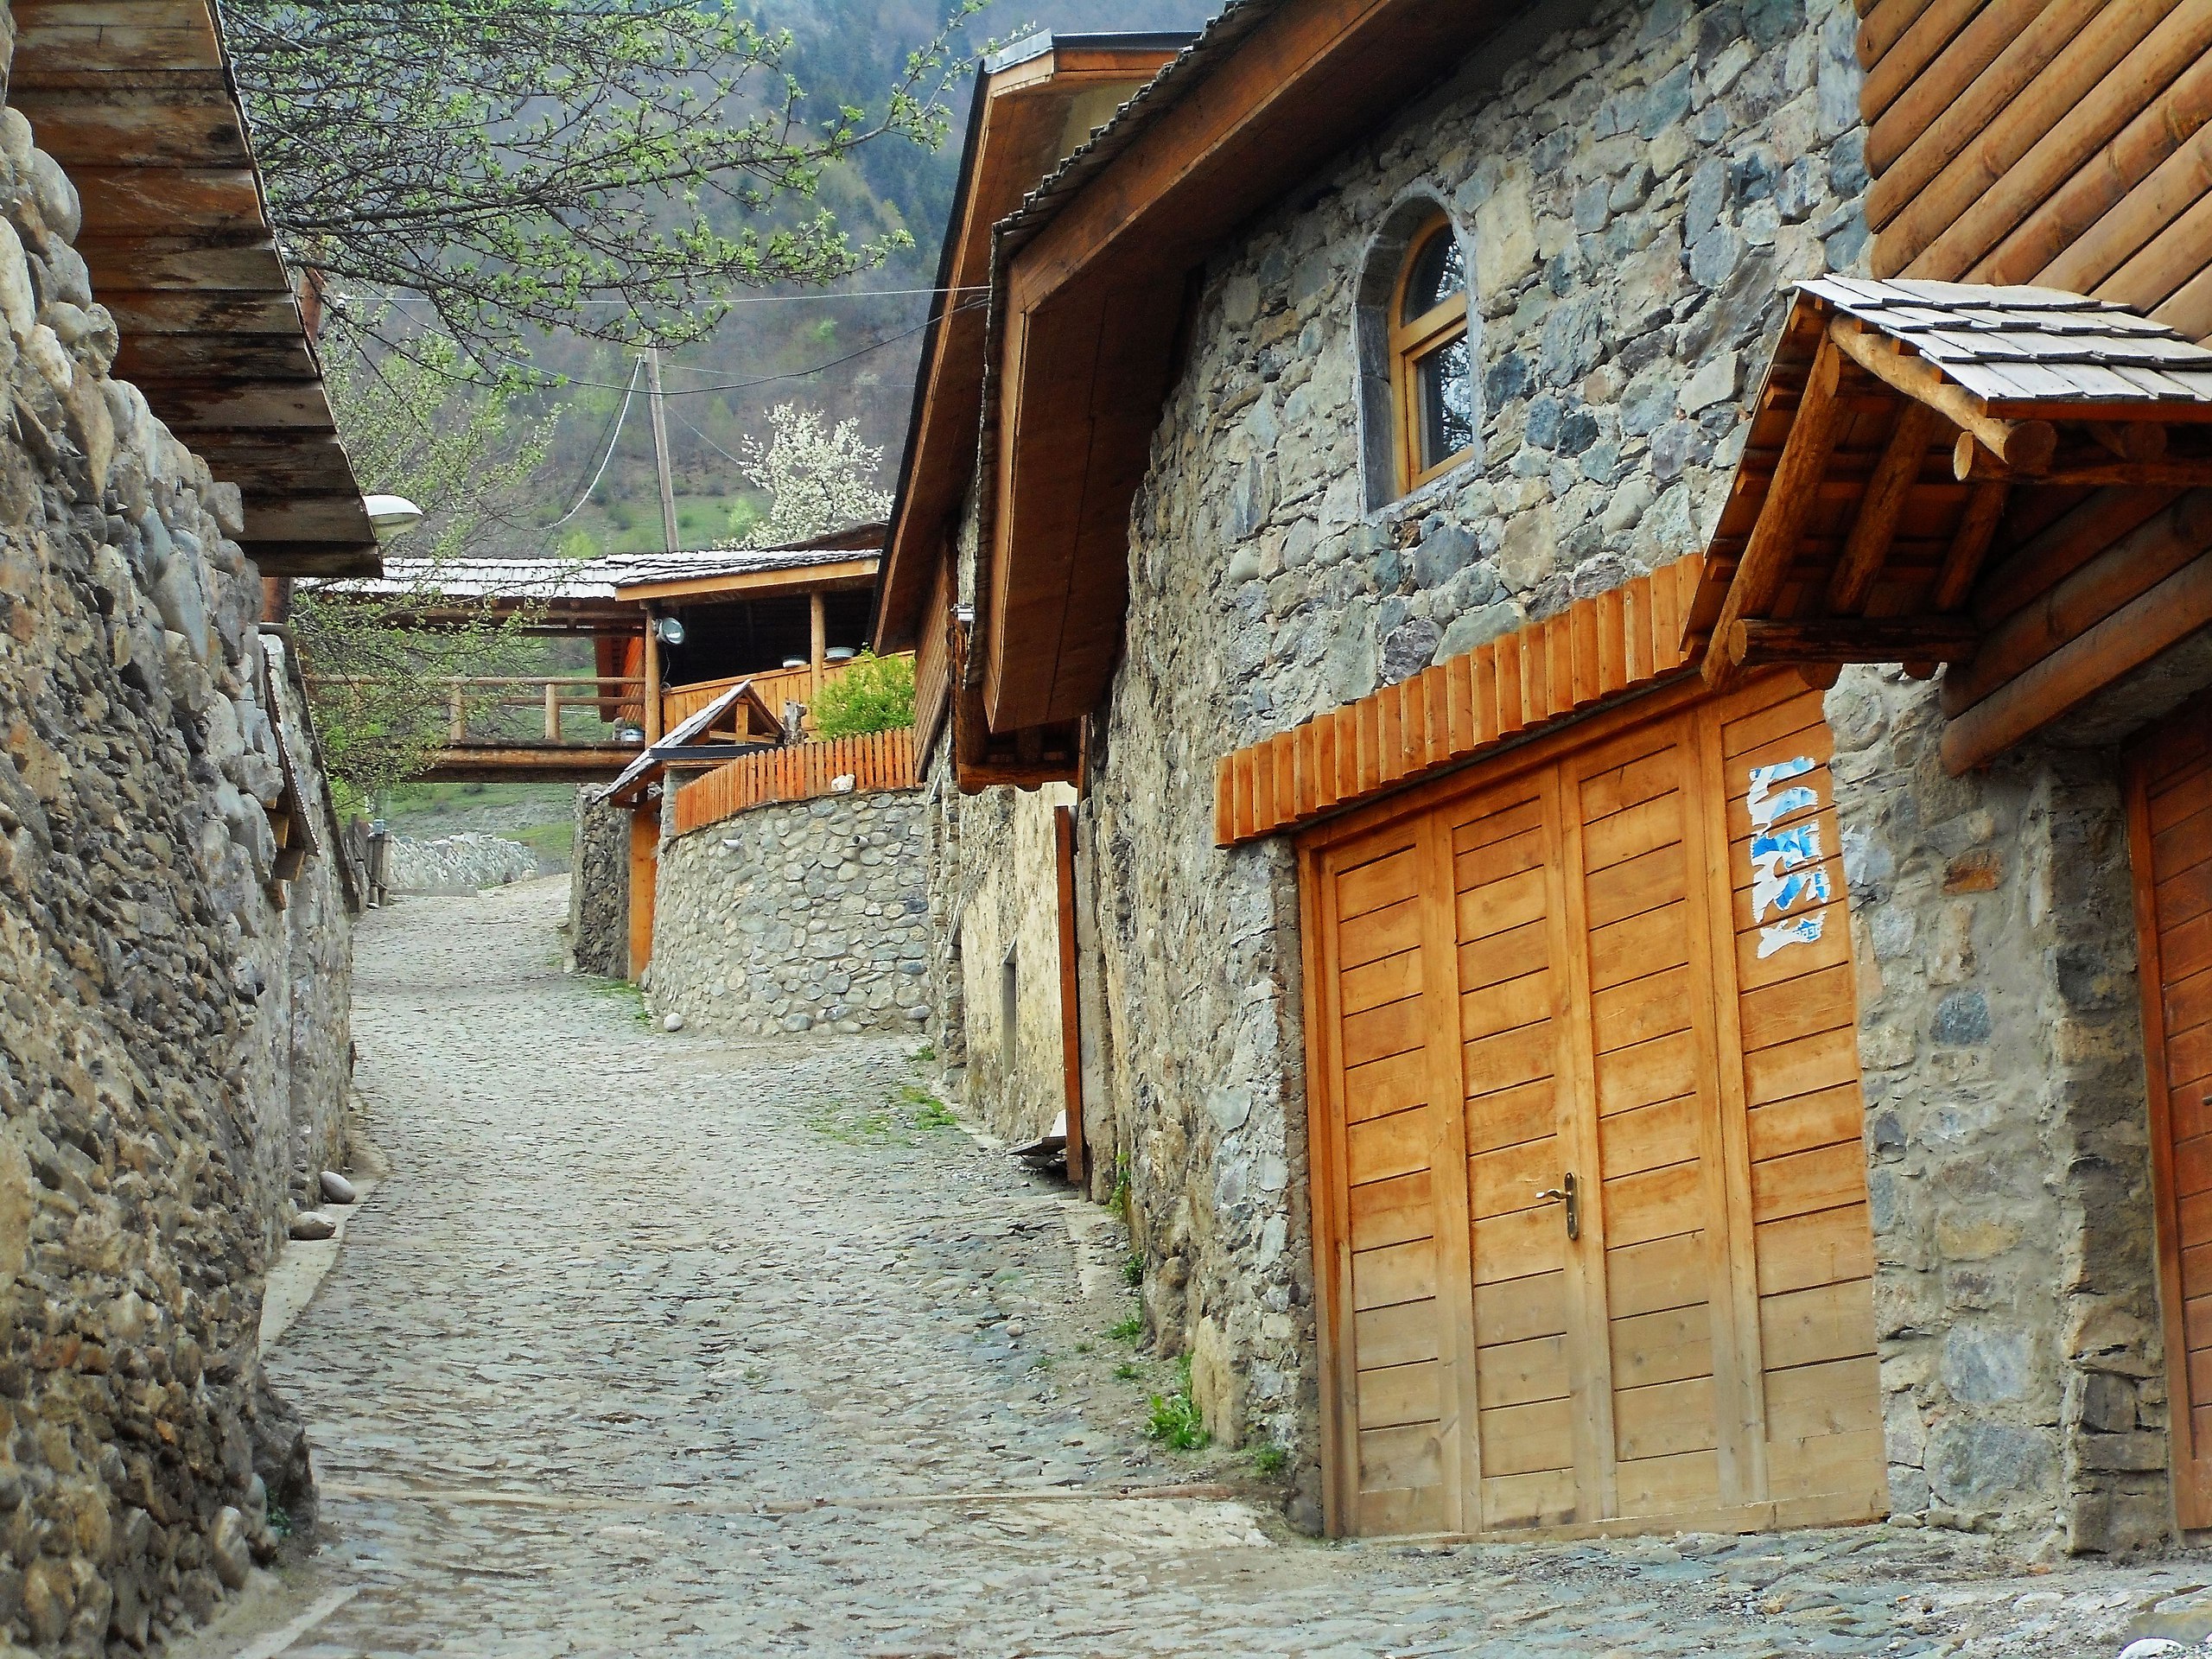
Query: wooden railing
x,y
472,698
801,773
776,687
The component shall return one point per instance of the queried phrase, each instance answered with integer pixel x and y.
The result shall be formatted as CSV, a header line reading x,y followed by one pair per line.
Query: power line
x,y
751,299
613,437
554,381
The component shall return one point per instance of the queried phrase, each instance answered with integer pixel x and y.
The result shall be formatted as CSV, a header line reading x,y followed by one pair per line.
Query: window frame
x,y
1409,342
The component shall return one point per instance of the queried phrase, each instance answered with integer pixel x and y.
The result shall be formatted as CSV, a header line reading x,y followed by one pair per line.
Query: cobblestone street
x,y
654,1345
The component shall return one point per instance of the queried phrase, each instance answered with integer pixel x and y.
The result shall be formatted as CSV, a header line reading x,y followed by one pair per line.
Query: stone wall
x,y
809,915
599,889
171,1056
1632,191
2000,1037
467,863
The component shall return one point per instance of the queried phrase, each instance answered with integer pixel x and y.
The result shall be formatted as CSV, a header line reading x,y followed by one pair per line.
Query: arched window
x,y
1432,359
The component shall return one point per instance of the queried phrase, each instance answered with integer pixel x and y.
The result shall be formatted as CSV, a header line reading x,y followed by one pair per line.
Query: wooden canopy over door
x,y
2170,801
1558,982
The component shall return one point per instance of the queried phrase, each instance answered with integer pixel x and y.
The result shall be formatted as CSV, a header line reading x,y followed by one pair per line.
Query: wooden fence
x,y
775,687
878,761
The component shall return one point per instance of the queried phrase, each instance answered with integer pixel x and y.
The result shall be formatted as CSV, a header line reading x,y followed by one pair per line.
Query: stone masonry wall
x,y
796,917
1632,192
2000,1037
599,889
169,1060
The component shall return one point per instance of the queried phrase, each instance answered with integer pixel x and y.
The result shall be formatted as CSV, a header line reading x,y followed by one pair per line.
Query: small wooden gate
x,y
1588,1171
2170,802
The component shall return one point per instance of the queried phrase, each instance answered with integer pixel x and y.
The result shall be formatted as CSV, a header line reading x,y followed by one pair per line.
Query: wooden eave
x,y
1018,131
835,574
1597,652
2015,483
135,99
1093,288
738,722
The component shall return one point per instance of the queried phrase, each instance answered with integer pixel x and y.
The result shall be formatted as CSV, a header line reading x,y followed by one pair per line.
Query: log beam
x,y
1972,464
2077,670
1881,506
2023,446
1773,543
1755,644
1969,547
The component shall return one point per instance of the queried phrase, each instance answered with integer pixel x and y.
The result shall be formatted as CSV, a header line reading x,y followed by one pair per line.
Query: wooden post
x,y
652,677
456,714
552,711
818,617
644,864
1071,1028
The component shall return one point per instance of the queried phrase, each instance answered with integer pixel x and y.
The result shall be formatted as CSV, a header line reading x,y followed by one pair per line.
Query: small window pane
x,y
1444,384
1439,271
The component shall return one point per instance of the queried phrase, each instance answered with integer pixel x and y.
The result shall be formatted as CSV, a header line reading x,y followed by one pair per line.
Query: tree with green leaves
x,y
875,694
415,424
613,168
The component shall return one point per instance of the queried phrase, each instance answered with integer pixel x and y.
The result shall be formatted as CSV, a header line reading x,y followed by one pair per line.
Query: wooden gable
x,y
2008,480
133,97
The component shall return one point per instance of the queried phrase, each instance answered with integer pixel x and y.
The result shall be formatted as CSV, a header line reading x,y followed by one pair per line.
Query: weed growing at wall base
x,y
1176,1421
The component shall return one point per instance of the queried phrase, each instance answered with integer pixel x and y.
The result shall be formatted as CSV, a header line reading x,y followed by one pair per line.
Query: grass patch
x,y
622,991
929,1112
1175,1421
854,1126
1129,1371
1269,1460
1133,1270
1127,1330
925,1054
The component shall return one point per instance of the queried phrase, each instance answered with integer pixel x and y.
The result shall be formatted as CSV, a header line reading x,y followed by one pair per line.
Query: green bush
x,y
875,694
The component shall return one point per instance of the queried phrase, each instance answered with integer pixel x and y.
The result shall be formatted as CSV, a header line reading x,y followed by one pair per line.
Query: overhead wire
x,y
613,437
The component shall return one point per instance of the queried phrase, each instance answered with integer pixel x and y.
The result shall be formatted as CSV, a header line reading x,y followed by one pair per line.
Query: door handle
x,y
1568,1191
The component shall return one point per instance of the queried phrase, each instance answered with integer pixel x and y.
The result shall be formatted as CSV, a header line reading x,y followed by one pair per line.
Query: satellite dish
x,y
391,515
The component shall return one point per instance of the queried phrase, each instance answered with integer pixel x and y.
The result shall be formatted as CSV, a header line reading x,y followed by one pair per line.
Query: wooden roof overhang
x,y
1033,103
135,100
1092,288
738,723
2011,481
830,576
1598,653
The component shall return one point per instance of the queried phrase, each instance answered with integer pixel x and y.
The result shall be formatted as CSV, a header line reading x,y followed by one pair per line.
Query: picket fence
x,y
802,771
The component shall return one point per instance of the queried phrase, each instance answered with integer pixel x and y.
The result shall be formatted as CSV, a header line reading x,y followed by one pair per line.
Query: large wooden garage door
x,y
2172,811
1587,1133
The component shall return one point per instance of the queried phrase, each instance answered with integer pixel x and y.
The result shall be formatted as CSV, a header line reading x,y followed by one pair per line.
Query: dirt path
x,y
662,1345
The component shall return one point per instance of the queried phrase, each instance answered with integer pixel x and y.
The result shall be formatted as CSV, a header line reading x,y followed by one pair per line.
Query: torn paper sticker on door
x,y
1786,873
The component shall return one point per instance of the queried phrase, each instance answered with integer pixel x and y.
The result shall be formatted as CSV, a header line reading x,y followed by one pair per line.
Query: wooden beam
x,y
645,867
2061,547
1962,562
1882,505
2022,445
1773,546
2143,441
2145,556
1975,465
832,573
1756,644
2077,670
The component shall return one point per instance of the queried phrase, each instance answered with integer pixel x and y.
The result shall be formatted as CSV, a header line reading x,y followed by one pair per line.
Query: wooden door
x,y
1588,968
2171,822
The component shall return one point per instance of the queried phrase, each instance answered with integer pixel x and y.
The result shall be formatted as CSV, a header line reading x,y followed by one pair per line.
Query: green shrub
x,y
875,694
1176,1421
1269,1460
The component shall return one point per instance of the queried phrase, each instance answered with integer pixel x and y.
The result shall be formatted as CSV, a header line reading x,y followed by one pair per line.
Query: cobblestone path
x,y
659,1345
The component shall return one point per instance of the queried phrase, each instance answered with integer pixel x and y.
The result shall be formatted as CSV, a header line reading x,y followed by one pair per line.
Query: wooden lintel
x,y
1755,644
2023,446
1962,561
2138,440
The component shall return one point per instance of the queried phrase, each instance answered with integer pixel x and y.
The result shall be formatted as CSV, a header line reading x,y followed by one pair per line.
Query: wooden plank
x,y
1508,1311
1516,1373
1383,1148
1401,1335
1394,1273
1663,1347
1830,1117
1660,1273
1522,1440
1399,1395
1804,1327
1388,1212
1874,526
1665,1420
1822,1248
1647,1073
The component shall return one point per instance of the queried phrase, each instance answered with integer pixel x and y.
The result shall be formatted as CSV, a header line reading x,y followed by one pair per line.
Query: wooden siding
x,y
2170,813
2059,144
1599,648
1559,971
801,773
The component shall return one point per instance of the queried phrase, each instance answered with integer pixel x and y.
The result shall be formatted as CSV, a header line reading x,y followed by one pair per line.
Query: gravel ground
x,y
657,1344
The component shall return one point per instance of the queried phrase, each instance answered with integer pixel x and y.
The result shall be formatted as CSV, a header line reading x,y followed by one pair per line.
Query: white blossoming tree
x,y
818,478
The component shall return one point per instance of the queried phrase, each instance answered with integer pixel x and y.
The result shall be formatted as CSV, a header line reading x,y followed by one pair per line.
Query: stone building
x,y
1397,483
174,907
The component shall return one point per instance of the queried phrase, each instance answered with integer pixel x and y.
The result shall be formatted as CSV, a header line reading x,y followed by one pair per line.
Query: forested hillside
x,y
721,389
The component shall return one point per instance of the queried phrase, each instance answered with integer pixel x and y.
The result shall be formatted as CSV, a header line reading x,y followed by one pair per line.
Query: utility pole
x,y
660,449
